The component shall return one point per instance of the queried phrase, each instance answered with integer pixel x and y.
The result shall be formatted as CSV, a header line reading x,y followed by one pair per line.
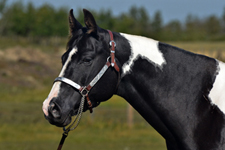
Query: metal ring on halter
x,y
84,91
108,58
112,64
110,43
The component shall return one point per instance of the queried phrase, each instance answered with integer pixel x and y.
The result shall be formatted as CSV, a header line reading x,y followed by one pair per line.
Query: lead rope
x,y
75,124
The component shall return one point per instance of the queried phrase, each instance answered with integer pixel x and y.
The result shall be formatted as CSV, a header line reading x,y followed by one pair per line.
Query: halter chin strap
x,y
84,90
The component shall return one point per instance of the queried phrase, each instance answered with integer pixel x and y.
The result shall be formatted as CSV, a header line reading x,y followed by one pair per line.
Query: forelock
x,y
73,39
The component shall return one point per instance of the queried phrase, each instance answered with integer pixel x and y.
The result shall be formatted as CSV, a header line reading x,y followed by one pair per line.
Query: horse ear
x,y
74,25
90,22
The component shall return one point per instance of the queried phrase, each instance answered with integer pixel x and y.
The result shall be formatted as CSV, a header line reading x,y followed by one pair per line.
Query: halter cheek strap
x,y
84,90
112,45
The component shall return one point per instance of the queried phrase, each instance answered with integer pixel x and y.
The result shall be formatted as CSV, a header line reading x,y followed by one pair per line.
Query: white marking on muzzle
x,y
143,47
56,86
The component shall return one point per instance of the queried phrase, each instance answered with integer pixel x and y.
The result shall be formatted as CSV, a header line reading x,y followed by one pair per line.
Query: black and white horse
x,y
181,94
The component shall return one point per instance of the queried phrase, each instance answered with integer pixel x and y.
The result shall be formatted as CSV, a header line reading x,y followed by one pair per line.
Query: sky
x,y
170,9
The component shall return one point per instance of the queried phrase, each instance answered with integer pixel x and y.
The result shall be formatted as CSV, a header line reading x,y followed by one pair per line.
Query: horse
x,y
179,93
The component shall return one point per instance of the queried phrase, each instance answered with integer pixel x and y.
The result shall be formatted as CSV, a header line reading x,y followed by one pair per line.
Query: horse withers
x,y
178,92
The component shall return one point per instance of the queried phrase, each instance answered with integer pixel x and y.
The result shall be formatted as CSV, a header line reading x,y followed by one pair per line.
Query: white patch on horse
x,y
145,48
217,94
56,86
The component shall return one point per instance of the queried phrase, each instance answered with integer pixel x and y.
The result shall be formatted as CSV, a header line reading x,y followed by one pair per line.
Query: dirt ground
x,y
28,67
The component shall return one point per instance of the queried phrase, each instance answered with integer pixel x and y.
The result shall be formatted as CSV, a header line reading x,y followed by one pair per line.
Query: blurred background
x,y
33,36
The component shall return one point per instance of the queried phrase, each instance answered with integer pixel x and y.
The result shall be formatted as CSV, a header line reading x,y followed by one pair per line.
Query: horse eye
x,y
87,60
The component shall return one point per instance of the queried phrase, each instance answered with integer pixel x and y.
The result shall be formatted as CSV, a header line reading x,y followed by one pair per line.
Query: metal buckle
x,y
84,91
110,43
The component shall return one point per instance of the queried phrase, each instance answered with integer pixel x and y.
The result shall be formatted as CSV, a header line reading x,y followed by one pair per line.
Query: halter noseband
x,y
84,90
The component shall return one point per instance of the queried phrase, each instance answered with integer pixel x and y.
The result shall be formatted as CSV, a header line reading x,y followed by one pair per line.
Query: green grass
x,y
24,127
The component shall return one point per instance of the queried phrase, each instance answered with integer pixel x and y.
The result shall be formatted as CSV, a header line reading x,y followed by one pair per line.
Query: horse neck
x,y
134,86
163,95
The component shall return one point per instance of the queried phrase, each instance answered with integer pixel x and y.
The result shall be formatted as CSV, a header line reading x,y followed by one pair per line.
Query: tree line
x,y
46,21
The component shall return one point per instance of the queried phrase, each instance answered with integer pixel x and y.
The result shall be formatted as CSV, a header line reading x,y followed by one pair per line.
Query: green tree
x,y
44,21
223,19
213,27
2,6
173,31
60,22
106,19
194,29
125,24
2,10
29,19
141,19
136,21
223,24
14,17
157,25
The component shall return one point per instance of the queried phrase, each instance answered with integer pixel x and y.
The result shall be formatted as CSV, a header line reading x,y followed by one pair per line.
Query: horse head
x,y
86,72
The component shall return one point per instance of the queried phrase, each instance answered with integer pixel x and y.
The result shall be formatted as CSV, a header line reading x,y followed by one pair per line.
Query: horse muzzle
x,y
55,116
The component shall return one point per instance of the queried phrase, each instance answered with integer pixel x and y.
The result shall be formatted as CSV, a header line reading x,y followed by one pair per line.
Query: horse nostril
x,y
54,110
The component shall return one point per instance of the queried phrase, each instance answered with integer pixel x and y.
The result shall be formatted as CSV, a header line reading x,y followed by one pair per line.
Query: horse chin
x,y
61,124
67,121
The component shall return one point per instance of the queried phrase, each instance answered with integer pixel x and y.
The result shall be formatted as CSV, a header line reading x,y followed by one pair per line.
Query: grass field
x,y
23,127
25,83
